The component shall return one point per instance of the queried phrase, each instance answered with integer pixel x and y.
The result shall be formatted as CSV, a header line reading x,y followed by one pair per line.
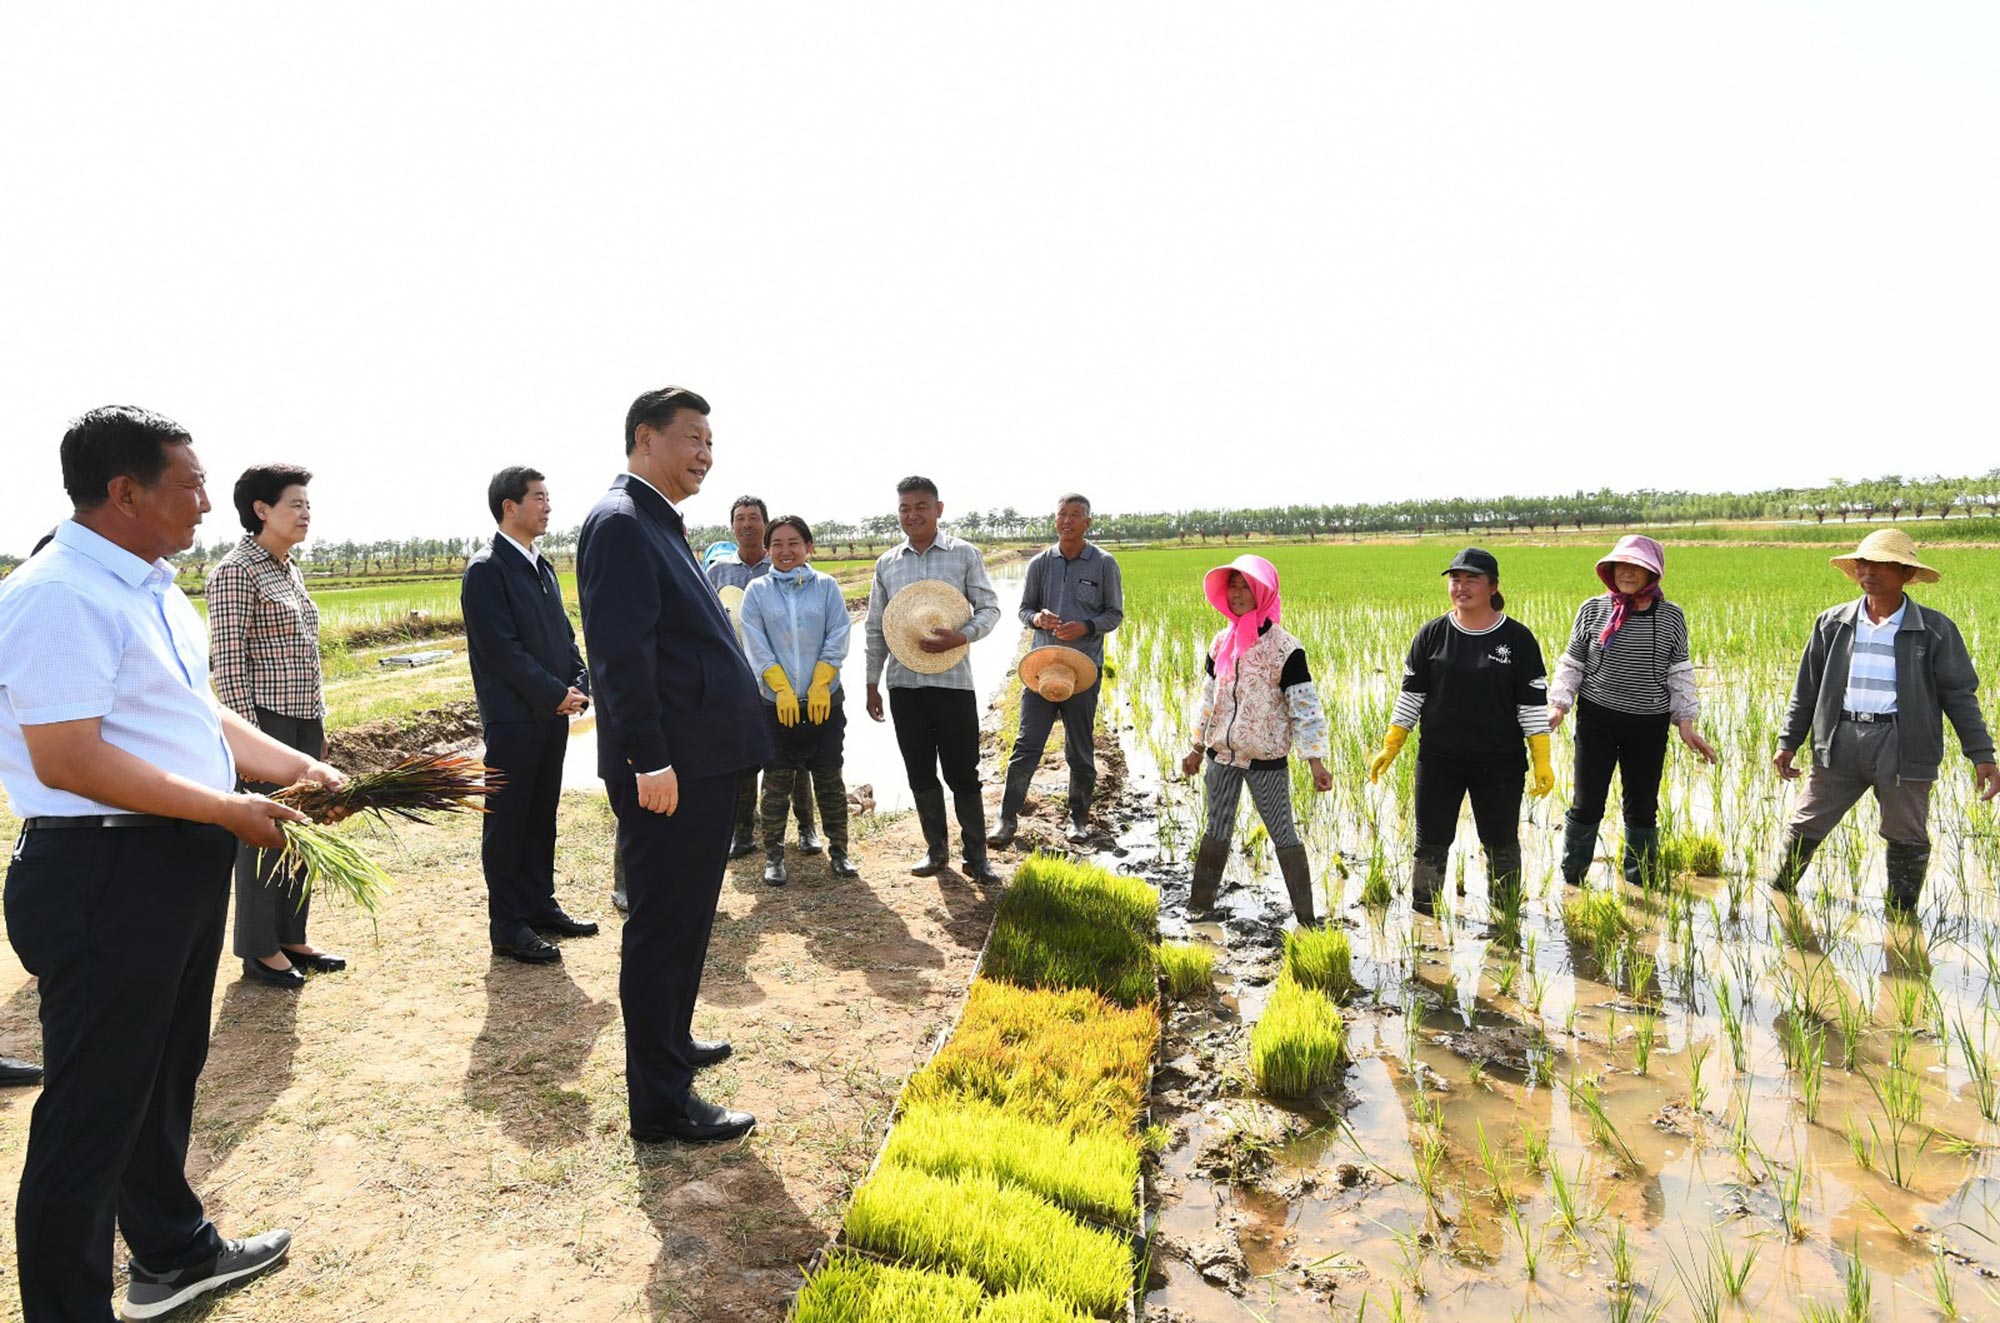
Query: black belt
x,y
1869,718
103,820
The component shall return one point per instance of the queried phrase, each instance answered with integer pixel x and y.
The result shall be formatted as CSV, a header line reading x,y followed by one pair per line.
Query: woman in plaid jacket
x,y
263,640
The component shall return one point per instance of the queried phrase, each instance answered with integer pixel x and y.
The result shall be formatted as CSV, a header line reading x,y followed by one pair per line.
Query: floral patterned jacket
x,y
1257,716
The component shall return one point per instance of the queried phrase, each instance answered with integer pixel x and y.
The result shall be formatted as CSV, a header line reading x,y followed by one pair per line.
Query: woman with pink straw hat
x,y
1257,703
1627,674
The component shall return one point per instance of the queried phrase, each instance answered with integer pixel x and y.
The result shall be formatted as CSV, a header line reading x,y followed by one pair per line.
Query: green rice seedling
x,y
1584,1093
1532,1240
851,1289
1598,917
1906,996
1791,1197
1065,924
1944,1287
1188,968
999,1234
1701,1285
1376,888
1900,1090
1572,1215
1639,969
1979,1068
1028,1306
1648,1028
1732,1272
1690,852
1535,1149
1504,978
1070,1059
1094,1173
1627,1308
1812,1073
1493,1160
1697,1090
1732,1023
1299,1041
1321,958
1538,990
1620,1250
1854,1020
1857,1145
1427,1155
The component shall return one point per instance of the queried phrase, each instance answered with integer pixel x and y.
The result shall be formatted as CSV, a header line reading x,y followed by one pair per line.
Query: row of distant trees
x,y
1886,498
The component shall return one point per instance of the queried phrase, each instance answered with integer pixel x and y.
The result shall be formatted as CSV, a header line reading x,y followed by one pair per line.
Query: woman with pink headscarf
x,y
1627,674
1257,703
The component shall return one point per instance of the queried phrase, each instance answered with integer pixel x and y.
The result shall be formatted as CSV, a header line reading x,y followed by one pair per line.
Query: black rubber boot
x,y
744,842
1907,866
830,790
1298,873
774,867
1798,853
937,841
1426,880
1503,877
1209,860
1640,859
972,834
1579,849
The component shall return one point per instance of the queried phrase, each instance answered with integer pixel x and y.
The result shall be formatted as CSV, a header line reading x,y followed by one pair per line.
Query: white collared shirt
x,y
534,557
90,630
1871,671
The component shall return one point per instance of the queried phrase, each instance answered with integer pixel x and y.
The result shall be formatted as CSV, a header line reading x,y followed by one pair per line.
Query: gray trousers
x,y
1270,791
270,908
1864,758
1038,718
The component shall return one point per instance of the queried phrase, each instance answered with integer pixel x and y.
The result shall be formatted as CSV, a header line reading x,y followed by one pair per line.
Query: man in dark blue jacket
x,y
679,722
529,679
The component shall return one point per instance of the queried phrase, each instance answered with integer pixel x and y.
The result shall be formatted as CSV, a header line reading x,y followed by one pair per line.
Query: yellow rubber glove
x,y
819,694
788,702
1545,777
1392,744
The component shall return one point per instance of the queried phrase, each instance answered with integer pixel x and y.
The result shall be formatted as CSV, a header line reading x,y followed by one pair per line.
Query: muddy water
x,y
1497,1148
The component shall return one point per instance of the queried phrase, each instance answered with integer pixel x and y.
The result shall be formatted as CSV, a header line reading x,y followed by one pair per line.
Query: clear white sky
x,y
1171,255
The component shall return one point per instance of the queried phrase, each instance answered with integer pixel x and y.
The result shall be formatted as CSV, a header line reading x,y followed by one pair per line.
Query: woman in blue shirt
x,y
795,631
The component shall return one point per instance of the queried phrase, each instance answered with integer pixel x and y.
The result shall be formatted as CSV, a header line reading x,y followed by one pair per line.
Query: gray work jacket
x,y
1934,680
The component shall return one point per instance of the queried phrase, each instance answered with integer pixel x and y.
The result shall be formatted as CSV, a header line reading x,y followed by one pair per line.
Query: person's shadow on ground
x,y
539,1031
251,1053
733,1243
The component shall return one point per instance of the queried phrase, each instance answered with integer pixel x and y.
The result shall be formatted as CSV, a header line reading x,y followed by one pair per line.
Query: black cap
x,y
1475,560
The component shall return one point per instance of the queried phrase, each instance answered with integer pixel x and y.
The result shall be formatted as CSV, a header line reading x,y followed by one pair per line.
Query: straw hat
x,y
732,602
1056,672
913,613
1890,545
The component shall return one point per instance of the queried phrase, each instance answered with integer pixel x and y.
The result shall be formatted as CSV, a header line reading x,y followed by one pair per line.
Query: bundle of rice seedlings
x,y
323,860
999,1234
1069,1059
851,1289
1093,1173
1690,852
413,789
1299,1041
1063,924
1188,967
1597,917
1321,958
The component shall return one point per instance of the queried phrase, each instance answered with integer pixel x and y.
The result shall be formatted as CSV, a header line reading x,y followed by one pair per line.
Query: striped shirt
x,y
1634,672
1871,675
91,630
263,635
953,561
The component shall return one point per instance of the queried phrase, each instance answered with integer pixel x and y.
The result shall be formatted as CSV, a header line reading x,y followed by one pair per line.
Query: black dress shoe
x,y
19,1072
529,950
774,869
931,864
838,864
706,1052
699,1123
319,962
561,925
743,845
981,872
258,972
809,841
619,902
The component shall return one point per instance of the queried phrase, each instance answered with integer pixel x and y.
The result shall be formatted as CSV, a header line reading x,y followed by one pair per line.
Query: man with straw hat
x,y
930,602
1072,598
732,573
1879,676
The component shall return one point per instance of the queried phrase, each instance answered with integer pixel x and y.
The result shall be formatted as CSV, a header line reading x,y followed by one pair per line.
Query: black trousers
x,y
122,927
271,909
938,727
1634,746
1495,786
1038,718
673,877
517,836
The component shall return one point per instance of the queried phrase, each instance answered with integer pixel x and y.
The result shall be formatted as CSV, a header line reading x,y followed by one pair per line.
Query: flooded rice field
x,y
1705,1100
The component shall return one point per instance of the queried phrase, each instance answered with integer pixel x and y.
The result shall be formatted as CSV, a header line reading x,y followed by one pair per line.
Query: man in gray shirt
x,y
937,716
1073,597
748,518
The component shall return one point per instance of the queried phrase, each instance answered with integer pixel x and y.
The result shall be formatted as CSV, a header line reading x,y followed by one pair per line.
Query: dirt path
x,y
446,1130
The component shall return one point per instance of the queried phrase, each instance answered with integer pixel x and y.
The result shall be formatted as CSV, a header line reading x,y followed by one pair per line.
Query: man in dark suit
x,y
529,678
679,722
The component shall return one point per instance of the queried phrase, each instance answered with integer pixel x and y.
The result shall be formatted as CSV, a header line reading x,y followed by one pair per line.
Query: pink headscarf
x,y
1633,549
1241,635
